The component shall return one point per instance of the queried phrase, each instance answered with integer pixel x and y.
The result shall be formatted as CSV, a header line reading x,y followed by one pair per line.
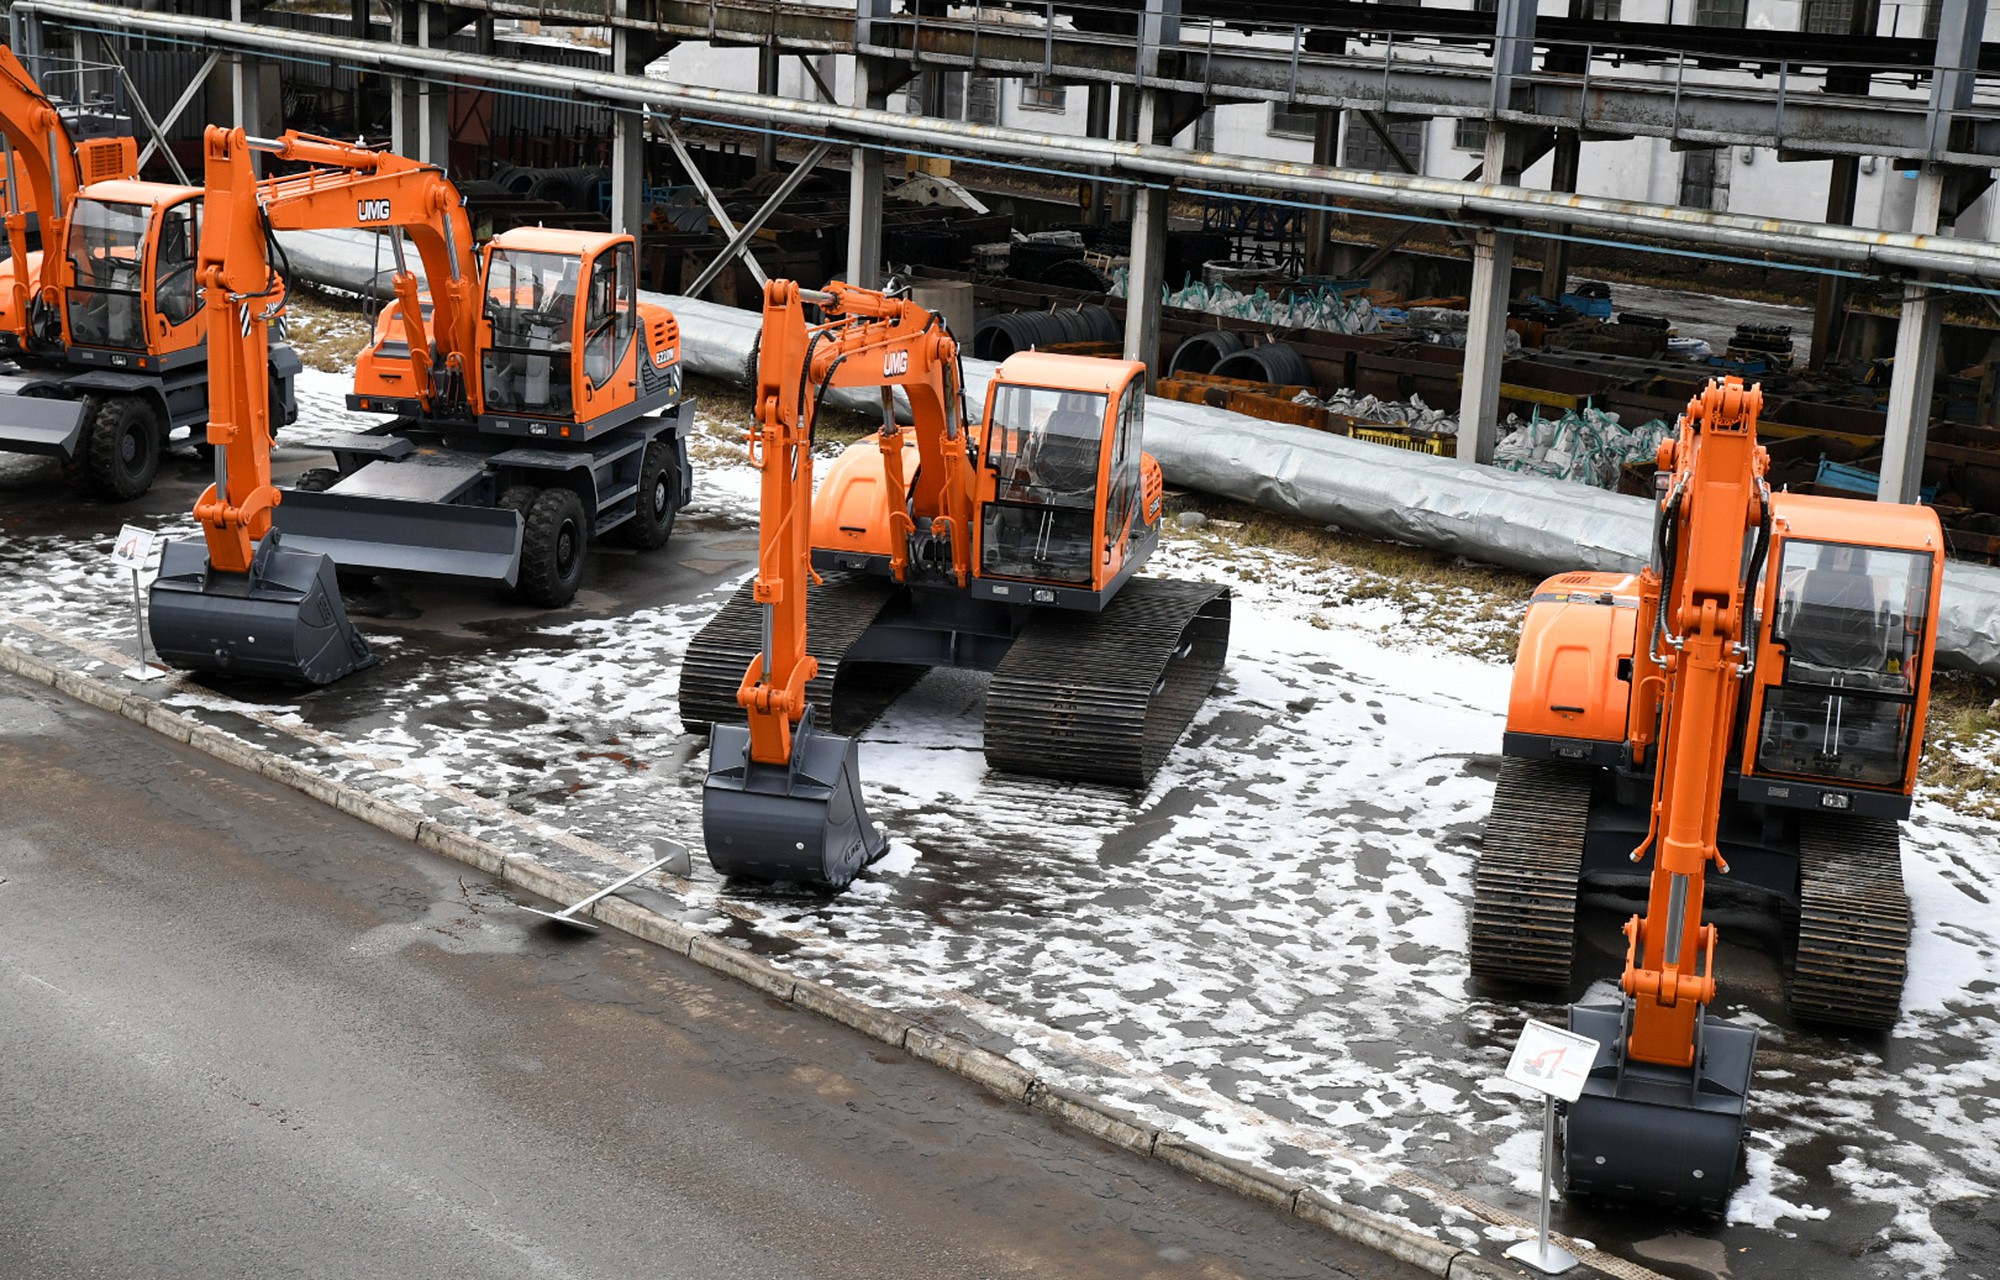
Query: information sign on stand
x,y
132,549
1554,1063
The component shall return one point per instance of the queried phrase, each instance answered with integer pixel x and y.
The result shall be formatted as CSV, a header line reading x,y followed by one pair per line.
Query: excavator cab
x,y
1064,467
130,299
563,312
1855,622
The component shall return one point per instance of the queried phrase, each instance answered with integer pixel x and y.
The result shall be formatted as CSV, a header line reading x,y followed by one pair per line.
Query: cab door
x,y
607,376
174,315
1122,488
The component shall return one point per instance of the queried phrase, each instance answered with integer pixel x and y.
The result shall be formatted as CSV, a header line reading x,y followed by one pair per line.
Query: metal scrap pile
x,y
1587,447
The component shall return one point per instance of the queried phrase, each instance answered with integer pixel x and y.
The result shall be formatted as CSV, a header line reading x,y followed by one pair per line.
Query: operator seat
x,y
1837,622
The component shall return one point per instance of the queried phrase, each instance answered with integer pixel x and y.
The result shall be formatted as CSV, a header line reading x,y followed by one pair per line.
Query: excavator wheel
x,y
552,548
659,481
121,448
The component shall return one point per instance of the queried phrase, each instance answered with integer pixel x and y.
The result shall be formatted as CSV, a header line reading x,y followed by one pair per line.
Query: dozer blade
x,y
1659,1135
803,821
39,425
281,621
446,538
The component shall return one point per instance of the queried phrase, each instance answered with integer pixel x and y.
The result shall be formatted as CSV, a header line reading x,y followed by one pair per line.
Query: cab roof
x,y
1067,373
555,240
132,191
1859,521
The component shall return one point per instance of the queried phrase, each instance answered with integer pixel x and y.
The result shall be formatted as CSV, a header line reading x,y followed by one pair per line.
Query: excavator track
x,y
1102,697
841,607
1524,889
1853,937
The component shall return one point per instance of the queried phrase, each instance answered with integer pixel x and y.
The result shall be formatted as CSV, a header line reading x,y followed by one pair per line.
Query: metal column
x,y
1909,411
1555,253
628,133
246,100
1096,124
767,83
420,119
1148,254
1830,308
1319,223
864,190
1486,324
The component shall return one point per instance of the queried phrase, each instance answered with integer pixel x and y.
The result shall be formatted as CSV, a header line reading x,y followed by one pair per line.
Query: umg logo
x,y
373,211
895,363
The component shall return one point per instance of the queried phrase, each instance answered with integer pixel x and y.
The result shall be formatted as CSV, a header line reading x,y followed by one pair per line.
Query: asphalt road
x,y
243,1035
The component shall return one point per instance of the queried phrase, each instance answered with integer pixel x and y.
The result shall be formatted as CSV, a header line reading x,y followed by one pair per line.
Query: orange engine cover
x,y
850,513
1566,681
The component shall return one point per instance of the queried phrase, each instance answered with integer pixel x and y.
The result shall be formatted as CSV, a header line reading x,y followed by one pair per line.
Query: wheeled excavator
x,y
524,476
1009,545
1750,705
102,320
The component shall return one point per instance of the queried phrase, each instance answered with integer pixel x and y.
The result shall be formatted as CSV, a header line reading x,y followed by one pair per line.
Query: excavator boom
x,y
783,798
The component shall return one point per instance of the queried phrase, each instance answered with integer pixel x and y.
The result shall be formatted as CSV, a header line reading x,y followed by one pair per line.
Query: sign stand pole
x,y
1541,1253
133,546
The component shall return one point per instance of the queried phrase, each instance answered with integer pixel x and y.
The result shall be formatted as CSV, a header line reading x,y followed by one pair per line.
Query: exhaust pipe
x,y
804,820
282,620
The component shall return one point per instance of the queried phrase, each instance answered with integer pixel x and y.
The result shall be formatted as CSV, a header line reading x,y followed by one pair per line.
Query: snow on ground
x,y
1265,947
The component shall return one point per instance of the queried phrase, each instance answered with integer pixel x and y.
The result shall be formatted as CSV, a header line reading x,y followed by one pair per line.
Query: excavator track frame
x,y
1531,864
1103,697
1849,955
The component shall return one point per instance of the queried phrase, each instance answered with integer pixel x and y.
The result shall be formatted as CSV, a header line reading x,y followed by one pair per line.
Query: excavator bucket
x,y
283,620
367,532
1659,1135
39,424
803,821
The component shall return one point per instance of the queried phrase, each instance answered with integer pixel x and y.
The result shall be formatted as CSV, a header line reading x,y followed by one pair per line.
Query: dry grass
x,y
327,332
1443,600
1962,742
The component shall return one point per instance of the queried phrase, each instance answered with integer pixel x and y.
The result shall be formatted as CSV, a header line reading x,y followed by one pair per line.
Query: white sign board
x,y
1552,1061
133,546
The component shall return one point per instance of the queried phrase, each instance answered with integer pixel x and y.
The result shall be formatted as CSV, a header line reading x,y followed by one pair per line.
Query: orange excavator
x,y
1009,545
541,412
1750,705
102,319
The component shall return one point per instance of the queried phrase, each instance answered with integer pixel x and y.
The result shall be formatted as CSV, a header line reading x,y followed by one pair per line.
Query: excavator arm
x,y
1695,617
348,187
41,165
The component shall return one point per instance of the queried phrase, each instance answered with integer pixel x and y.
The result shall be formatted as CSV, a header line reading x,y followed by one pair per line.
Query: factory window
x,y
1720,13
1291,122
1698,179
1932,12
1204,131
1597,10
1366,149
1830,17
1469,135
982,100
1038,94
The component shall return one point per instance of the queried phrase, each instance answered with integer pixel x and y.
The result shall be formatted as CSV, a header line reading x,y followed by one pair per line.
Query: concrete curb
x,y
982,1067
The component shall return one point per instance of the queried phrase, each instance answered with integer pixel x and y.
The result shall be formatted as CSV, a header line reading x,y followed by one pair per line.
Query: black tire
x,y
659,494
317,480
552,549
121,446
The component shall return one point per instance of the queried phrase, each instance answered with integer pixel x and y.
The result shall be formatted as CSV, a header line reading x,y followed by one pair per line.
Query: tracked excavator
x,y
101,319
1750,705
1009,545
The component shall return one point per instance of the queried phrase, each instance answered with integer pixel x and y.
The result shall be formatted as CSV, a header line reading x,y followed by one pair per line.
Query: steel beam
x,y
167,121
866,172
1555,253
1148,251
693,172
1444,199
755,221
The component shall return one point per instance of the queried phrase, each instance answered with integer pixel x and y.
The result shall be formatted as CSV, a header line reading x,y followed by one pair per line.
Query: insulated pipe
x,y
1884,251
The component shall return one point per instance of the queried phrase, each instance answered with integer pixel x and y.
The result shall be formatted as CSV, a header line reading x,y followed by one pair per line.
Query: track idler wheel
x,y
1654,1135
283,620
802,821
